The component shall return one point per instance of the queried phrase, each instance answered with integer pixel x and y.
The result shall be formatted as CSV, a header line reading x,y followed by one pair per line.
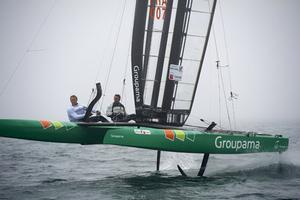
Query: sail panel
x,y
194,51
150,78
198,24
194,37
148,91
203,6
156,37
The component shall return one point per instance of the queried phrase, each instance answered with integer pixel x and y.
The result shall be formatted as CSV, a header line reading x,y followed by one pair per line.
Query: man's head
x,y
73,100
117,98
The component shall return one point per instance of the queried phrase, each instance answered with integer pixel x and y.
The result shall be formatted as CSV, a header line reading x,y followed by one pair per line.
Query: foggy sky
x,y
61,55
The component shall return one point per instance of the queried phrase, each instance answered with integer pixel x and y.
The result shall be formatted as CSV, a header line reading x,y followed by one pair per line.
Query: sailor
x,y
116,111
76,112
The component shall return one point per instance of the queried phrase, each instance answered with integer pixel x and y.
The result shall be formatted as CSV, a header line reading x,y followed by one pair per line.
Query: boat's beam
x,y
158,160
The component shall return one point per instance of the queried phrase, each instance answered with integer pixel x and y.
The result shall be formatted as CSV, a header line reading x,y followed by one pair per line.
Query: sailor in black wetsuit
x,y
116,111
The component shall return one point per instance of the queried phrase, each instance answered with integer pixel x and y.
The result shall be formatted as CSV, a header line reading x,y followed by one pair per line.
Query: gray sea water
x,y
38,170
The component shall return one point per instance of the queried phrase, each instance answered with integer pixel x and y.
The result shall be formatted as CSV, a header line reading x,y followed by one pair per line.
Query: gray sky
x,y
59,55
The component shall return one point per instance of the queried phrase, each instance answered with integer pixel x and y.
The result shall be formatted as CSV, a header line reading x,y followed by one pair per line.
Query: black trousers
x,y
122,118
98,118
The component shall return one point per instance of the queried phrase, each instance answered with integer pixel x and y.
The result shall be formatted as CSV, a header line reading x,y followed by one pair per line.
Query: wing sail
x,y
168,48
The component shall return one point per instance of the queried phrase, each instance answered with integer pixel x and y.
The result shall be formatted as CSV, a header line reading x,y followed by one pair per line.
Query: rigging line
x,y
114,51
97,105
127,62
228,61
221,76
92,95
219,94
233,114
225,42
224,93
218,57
215,40
28,49
125,73
126,67
106,47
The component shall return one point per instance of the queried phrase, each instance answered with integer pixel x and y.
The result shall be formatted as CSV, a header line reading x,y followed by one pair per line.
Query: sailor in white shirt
x,y
76,112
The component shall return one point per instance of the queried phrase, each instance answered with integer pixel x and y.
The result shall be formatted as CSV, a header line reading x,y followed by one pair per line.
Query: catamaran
x,y
167,53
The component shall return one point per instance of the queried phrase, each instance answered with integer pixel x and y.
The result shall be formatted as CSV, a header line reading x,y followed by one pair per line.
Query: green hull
x,y
134,135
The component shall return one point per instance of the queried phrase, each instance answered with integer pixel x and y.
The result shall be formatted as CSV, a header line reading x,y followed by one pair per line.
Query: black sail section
x,y
161,54
175,53
137,52
149,32
169,41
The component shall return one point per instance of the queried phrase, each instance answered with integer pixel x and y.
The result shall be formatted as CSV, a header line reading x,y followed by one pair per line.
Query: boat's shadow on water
x,y
166,185
163,185
257,183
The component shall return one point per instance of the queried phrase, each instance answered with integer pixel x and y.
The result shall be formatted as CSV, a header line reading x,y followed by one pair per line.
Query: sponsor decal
x,y
180,135
117,136
142,132
277,146
169,134
191,136
45,124
159,10
136,83
221,143
57,125
68,125
175,72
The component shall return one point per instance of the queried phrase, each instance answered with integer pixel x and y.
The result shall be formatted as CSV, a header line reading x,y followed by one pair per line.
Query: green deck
x,y
191,141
